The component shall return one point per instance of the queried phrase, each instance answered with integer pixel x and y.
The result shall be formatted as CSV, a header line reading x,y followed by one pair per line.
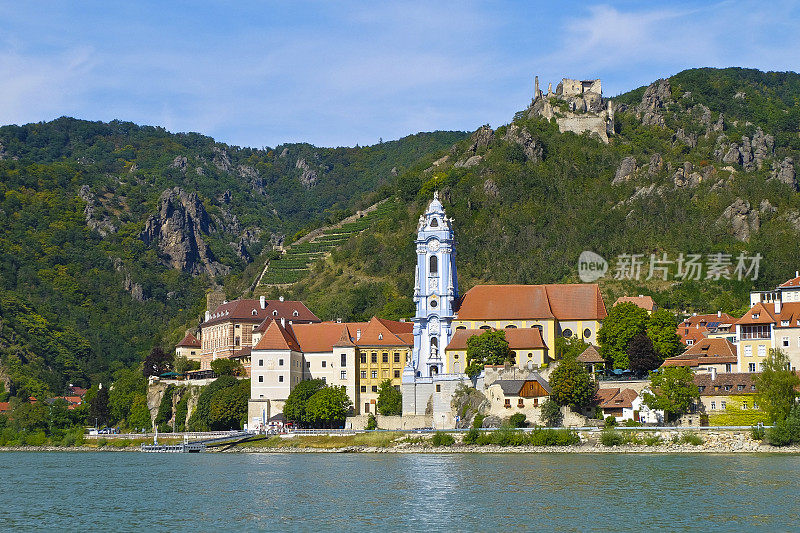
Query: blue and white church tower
x,y
435,291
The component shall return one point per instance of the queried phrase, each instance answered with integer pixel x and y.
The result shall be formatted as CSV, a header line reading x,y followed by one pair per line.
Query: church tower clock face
x,y
433,245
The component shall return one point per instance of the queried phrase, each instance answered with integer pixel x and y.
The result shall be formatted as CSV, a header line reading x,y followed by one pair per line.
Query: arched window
x,y
434,342
461,327
567,333
434,222
485,327
295,313
511,326
434,265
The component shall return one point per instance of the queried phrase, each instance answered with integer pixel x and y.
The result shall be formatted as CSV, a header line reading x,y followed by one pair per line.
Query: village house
x,y
720,392
189,347
698,327
641,301
625,404
358,356
708,353
508,396
227,331
754,333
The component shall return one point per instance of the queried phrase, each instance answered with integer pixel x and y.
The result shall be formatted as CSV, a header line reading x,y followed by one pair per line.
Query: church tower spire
x,y
435,290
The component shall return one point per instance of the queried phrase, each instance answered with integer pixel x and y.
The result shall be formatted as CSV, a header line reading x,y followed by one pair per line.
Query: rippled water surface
x,y
464,492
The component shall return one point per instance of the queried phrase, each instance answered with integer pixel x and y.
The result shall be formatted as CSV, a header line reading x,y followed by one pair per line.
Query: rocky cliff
x,y
177,228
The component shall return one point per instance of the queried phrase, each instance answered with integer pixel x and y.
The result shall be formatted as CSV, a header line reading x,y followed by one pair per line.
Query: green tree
x,y
674,391
229,407
776,385
661,328
139,417
372,422
182,364
199,421
623,323
128,383
642,357
295,407
99,411
164,414
328,407
488,348
59,415
569,347
227,367
390,400
572,384
551,413
157,362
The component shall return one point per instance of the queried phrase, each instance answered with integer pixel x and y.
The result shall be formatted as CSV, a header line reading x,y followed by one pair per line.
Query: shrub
x,y
551,413
632,424
611,421
692,438
442,439
784,432
518,420
471,436
653,440
102,442
477,422
610,437
757,432
372,423
552,437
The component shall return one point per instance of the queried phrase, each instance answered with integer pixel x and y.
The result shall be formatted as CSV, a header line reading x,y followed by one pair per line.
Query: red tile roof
x,y
517,338
765,312
521,302
705,352
251,311
615,398
731,380
78,391
794,282
697,320
645,302
277,338
189,341
381,332
5,406
323,336
790,312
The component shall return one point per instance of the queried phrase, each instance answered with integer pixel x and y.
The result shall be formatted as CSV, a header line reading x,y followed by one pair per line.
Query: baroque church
x,y
532,316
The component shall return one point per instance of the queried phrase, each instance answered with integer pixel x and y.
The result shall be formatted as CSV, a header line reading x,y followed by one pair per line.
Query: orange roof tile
x,y
591,355
5,406
645,302
794,282
377,333
519,302
315,338
276,337
189,341
765,312
614,398
705,352
789,312
517,338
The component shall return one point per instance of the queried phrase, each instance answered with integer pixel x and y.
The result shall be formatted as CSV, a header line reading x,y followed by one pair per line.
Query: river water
x,y
431,492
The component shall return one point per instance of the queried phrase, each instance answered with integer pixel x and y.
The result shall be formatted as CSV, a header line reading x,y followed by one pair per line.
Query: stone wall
x,y
390,422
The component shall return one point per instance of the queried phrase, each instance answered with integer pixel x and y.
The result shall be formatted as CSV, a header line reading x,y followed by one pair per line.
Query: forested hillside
x,y
701,163
110,234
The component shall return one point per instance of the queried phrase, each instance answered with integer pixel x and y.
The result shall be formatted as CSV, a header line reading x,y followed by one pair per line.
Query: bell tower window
x,y
434,265
434,222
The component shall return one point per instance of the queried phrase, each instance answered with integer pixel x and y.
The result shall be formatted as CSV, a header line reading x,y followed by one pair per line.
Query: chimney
x,y
280,298
402,320
208,316
283,321
713,371
641,296
263,301
797,273
719,314
338,320
358,334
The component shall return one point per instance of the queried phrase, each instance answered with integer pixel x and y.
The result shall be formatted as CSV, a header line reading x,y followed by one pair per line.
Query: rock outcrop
x,y
481,139
785,172
749,154
101,225
532,149
655,99
656,164
625,170
741,219
177,229
136,290
221,160
308,177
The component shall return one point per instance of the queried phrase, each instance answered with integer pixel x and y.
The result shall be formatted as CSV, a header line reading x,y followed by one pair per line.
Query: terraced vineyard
x,y
294,264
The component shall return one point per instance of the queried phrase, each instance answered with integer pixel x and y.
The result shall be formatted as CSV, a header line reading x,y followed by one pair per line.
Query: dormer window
x,y
380,336
275,313
254,312
756,315
295,313
434,222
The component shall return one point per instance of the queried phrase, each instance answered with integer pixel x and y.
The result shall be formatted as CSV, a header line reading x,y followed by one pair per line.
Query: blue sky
x,y
341,73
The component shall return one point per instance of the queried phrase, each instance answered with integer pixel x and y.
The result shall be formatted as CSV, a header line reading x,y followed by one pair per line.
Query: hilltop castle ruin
x,y
577,106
